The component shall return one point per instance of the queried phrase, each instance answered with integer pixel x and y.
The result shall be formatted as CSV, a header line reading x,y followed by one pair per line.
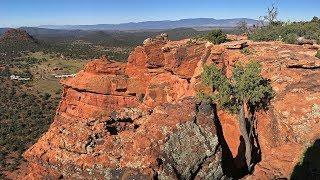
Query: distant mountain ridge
x,y
167,24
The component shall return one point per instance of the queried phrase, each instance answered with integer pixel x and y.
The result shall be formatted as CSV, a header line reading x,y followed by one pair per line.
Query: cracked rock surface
x,y
140,119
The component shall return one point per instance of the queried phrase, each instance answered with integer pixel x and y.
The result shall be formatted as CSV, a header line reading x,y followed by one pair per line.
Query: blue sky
x,y
14,13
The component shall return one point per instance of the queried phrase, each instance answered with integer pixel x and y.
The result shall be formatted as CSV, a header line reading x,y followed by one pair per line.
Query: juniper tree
x,y
245,93
216,36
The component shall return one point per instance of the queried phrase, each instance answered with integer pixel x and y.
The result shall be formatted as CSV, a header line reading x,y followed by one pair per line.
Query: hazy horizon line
x,y
126,22
139,21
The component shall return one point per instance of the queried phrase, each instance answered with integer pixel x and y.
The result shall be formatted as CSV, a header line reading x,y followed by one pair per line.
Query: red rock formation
x,y
138,120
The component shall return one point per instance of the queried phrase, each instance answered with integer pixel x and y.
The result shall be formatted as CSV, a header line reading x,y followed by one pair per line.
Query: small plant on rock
x,y
318,54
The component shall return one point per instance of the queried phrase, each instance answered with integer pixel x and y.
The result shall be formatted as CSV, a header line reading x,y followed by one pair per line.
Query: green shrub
x,y
269,33
290,38
216,36
318,54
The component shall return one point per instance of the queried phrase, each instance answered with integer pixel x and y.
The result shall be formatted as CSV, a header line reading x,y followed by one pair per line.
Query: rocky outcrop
x,y
194,150
235,45
171,142
134,120
140,119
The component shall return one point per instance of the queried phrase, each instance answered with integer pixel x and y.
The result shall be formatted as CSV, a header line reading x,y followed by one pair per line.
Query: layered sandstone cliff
x,y
141,119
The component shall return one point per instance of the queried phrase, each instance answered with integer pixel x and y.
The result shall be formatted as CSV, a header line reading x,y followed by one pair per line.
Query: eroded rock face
x,y
173,141
192,151
292,122
140,119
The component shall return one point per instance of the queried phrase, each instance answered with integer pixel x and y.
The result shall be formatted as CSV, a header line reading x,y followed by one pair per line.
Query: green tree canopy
x,y
246,85
216,36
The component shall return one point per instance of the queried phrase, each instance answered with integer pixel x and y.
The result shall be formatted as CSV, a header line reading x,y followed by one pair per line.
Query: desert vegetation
x,y
24,116
245,93
216,36
273,30
318,54
68,50
287,32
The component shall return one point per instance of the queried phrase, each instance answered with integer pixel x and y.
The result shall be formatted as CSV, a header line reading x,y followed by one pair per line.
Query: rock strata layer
x,y
141,120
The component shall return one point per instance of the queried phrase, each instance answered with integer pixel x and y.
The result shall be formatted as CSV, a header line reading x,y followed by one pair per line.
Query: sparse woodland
x,y
23,117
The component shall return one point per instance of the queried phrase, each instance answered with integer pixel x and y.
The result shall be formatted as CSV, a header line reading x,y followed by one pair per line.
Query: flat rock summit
x,y
142,119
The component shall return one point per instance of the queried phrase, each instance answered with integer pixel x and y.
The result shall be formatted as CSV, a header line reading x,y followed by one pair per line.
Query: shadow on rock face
x,y
309,167
227,159
240,159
